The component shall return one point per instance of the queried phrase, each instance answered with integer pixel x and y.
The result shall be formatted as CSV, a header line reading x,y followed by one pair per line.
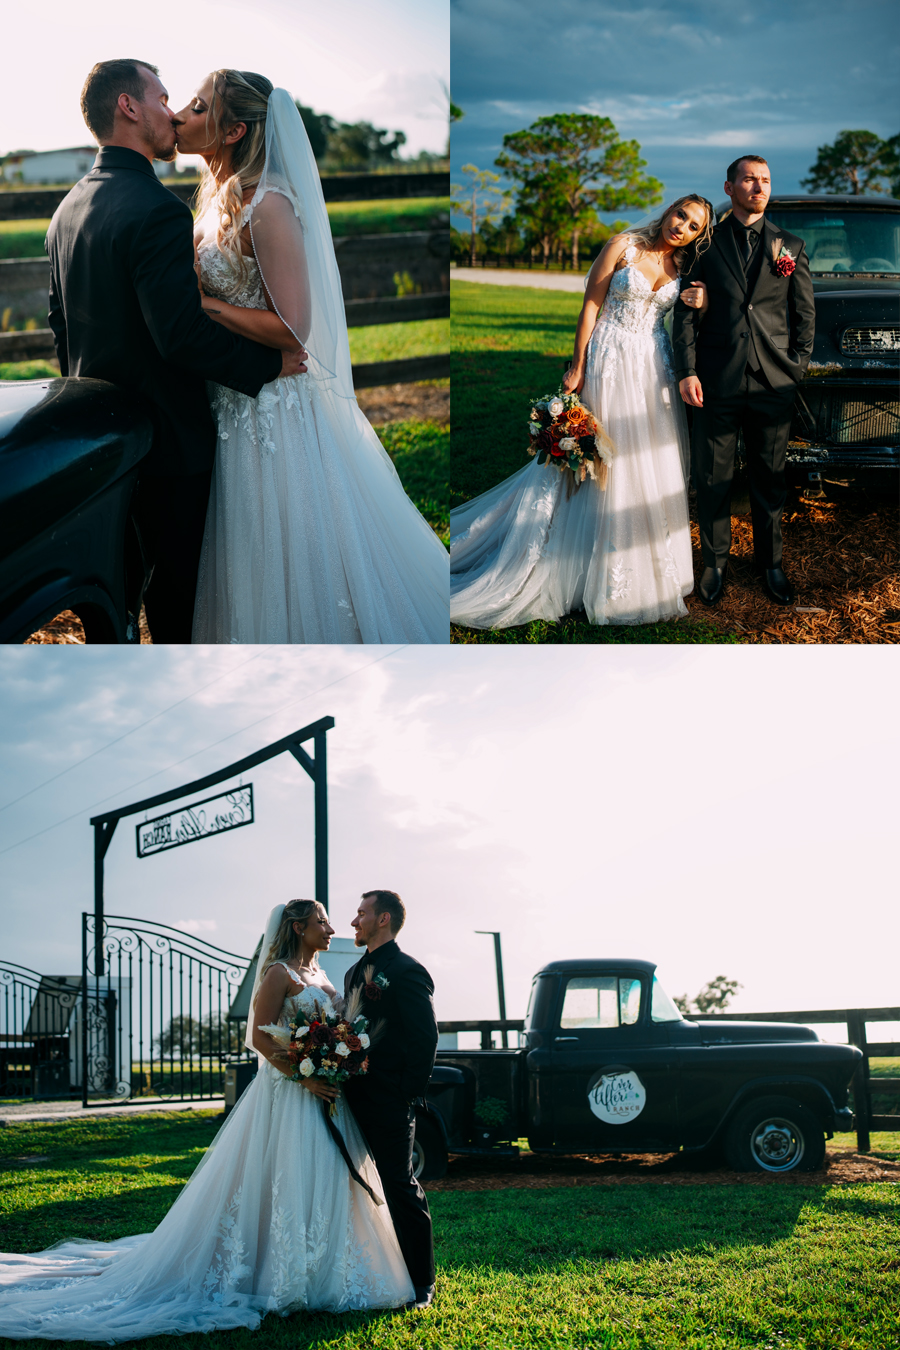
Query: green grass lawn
x,y
509,344
652,1266
394,341
25,238
421,455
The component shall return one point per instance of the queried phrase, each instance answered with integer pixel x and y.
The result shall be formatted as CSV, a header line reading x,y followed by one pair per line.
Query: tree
x,y
456,113
562,156
361,146
889,159
852,164
185,1037
479,199
319,127
715,996
541,217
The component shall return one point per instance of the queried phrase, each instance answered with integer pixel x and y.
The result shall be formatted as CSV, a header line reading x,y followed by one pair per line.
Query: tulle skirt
x,y
271,1221
310,536
530,549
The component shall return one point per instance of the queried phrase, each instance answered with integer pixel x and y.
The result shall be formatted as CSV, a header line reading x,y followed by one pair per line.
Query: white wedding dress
x,y
310,536
526,549
270,1221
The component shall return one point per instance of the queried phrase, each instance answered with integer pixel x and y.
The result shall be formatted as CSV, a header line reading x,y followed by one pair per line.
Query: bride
x,y
310,536
530,548
270,1221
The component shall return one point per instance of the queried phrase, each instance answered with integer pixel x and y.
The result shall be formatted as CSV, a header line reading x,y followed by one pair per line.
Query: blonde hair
x,y
287,944
684,258
238,96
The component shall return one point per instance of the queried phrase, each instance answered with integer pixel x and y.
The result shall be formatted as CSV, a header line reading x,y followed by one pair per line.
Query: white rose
x,y
306,1067
568,444
364,1041
555,407
341,1049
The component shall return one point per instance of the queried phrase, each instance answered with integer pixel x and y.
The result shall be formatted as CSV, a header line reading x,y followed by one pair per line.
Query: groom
x,y
397,992
739,364
125,307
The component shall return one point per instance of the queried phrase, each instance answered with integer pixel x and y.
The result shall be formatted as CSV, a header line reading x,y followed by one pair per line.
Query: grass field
x,y
509,344
25,238
704,1267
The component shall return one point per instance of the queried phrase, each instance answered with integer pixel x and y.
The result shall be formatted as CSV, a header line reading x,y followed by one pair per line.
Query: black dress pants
x,y
389,1125
764,416
171,516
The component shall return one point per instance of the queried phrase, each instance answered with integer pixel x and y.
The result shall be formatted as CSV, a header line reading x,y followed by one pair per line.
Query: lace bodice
x,y
218,272
632,304
308,996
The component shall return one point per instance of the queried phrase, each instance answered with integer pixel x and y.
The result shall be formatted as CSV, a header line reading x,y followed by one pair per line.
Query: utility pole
x,y
501,996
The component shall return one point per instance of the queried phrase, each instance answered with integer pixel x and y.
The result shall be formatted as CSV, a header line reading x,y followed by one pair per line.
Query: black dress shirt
x,y
748,237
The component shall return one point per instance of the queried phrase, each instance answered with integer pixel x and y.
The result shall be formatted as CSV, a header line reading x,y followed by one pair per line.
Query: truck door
x,y
613,1089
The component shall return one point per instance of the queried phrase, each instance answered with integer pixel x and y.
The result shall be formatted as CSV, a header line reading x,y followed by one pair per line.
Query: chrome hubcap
x,y
418,1159
776,1145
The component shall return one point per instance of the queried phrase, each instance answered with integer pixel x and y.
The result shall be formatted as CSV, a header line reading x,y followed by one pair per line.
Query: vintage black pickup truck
x,y
609,1065
70,450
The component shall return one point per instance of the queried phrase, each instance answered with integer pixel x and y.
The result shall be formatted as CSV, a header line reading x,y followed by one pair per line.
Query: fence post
x,y
320,783
862,1101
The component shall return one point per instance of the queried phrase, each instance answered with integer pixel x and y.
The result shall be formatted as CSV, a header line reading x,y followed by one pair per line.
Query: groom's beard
x,y
163,150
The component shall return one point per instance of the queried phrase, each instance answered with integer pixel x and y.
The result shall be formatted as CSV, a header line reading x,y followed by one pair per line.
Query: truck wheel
x,y
775,1134
429,1151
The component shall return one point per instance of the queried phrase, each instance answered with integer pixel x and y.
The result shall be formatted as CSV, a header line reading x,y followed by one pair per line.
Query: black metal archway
x,y
315,766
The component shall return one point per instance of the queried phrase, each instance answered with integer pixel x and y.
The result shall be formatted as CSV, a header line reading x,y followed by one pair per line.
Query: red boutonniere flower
x,y
371,990
785,263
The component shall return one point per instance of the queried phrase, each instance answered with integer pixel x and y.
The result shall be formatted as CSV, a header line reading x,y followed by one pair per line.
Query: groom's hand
x,y
691,391
293,363
320,1088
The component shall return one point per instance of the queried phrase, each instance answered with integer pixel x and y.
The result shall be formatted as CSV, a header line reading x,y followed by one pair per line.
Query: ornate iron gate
x,y
40,1055
155,1021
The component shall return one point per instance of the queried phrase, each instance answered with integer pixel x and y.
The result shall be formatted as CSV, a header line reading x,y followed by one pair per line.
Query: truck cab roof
x,y
606,965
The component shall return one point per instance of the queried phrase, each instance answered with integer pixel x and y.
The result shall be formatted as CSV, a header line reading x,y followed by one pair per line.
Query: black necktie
x,y
746,247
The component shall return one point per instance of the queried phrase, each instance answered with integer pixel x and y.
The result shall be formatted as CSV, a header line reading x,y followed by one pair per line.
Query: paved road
x,y
537,280
14,1113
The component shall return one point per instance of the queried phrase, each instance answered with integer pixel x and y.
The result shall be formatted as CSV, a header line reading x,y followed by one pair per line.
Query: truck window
x,y
662,1009
600,1001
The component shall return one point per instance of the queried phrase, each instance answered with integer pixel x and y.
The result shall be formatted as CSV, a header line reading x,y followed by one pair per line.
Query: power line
x,y
9,848
125,734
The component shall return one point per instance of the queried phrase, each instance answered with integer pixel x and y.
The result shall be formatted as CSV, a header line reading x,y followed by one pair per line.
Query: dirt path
x,y
531,1171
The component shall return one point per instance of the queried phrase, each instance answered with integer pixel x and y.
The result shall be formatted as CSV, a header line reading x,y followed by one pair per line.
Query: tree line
x,y
357,147
571,167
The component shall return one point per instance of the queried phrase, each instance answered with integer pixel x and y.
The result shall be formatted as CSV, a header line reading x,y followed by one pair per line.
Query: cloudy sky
x,y
695,83
379,63
719,810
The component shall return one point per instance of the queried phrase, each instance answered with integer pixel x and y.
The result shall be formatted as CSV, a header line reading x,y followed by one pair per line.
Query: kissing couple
x,y
290,1208
741,299
267,508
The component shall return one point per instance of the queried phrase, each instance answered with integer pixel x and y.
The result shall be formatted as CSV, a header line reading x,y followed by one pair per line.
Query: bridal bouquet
x,y
327,1043
566,434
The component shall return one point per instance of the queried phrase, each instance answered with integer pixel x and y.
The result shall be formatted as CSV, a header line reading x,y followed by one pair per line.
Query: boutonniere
x,y
374,988
785,262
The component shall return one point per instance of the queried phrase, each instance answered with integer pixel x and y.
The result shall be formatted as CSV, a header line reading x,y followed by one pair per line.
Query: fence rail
x,y
855,1020
39,203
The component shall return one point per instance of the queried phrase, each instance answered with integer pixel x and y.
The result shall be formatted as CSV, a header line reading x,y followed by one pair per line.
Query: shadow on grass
x,y
555,1227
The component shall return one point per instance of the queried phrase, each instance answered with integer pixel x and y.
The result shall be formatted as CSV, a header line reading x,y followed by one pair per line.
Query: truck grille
x,y
870,423
870,341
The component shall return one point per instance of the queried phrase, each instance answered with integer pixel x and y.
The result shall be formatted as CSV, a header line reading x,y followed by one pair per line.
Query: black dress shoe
x,y
777,587
712,584
424,1297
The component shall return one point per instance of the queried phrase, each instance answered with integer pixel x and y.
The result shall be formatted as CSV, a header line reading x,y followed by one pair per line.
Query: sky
x,y
695,84
717,810
381,63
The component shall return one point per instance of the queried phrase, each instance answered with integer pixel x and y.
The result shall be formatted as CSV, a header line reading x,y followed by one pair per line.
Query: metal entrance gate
x,y
154,1022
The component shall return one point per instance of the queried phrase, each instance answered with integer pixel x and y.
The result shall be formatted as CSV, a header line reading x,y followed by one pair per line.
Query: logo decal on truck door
x,y
616,1094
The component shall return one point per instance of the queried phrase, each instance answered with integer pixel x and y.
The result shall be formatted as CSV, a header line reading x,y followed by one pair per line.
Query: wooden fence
x,y
855,1020
368,264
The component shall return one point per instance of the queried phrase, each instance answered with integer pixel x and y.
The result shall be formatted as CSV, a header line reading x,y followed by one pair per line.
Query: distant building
x,y
42,167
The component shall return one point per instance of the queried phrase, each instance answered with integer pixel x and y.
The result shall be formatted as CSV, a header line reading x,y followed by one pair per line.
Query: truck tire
x,y
775,1134
429,1151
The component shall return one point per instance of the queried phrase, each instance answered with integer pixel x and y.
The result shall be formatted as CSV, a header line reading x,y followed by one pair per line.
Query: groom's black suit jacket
x,y
125,307
402,1055
763,320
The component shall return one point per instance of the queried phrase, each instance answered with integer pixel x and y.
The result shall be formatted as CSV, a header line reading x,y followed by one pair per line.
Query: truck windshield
x,y
844,241
601,1001
662,1009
